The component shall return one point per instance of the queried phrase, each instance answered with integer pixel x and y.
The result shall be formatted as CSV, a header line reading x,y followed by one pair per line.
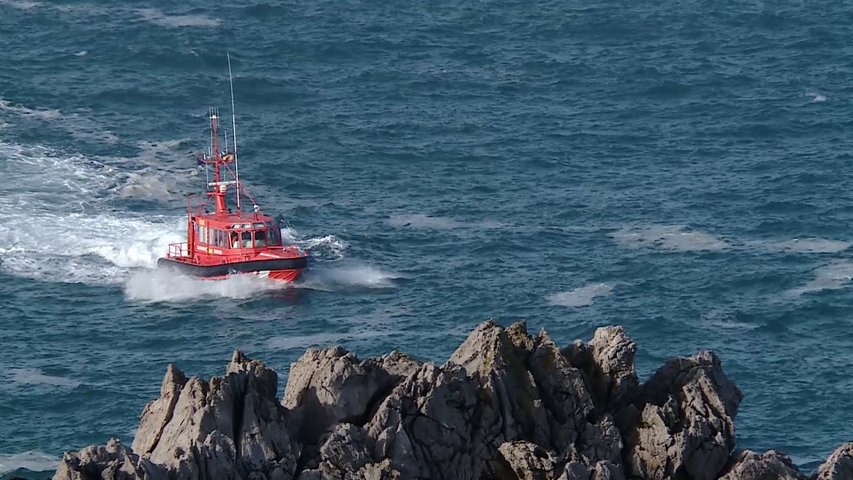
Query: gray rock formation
x,y
839,465
771,465
330,386
685,429
198,429
507,405
113,461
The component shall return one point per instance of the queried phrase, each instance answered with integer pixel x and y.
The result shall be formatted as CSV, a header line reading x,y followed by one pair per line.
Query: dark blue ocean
x,y
682,169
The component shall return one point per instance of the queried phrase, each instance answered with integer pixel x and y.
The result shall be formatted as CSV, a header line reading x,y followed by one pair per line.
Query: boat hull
x,y
280,269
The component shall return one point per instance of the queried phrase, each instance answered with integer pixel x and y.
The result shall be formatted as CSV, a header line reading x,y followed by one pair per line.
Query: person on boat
x,y
235,242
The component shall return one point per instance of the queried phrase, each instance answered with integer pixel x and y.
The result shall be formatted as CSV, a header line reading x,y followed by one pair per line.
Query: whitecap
x,y
816,97
829,277
37,113
161,19
420,220
580,297
77,125
31,460
20,4
668,237
81,53
808,245
725,320
35,376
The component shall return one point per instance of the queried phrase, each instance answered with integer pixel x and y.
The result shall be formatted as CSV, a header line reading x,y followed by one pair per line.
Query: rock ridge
x,y
506,405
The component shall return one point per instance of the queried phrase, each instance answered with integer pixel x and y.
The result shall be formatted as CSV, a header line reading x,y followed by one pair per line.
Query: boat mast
x,y
234,131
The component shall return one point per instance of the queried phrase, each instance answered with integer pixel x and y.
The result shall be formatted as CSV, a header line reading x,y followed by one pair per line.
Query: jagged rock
x,y
602,470
159,412
770,465
528,461
111,462
839,465
602,442
231,424
686,428
344,451
613,376
434,426
507,405
541,397
329,386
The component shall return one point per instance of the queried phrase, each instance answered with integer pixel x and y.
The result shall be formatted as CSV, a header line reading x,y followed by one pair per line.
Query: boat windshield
x,y
274,234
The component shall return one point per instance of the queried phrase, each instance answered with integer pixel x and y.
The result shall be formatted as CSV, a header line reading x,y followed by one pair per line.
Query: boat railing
x,y
178,250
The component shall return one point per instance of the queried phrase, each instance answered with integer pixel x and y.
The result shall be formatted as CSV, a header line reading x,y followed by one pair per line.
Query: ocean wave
x,y
808,245
580,297
834,276
79,126
35,376
348,277
31,460
669,237
20,4
156,17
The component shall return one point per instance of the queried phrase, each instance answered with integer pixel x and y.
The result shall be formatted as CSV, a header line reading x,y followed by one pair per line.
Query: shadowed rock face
x,y
507,405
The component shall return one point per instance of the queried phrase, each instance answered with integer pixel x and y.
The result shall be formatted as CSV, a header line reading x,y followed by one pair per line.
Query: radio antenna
x,y
234,130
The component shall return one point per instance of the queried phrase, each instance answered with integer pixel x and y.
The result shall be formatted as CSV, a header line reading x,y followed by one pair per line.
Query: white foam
x,y
335,278
31,460
20,4
162,285
79,126
808,245
423,221
81,53
327,246
58,224
161,19
668,237
34,376
79,248
37,113
830,277
420,220
725,320
580,297
816,97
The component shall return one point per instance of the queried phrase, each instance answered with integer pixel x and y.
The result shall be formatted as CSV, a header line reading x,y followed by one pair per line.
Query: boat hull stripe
x,y
251,266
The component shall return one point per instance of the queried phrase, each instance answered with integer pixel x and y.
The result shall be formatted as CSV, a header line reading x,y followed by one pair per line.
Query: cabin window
x,y
246,239
260,238
234,239
273,234
219,238
203,236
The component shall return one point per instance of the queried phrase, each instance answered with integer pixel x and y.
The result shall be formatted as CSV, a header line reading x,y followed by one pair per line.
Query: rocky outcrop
x,y
230,424
506,405
770,465
839,465
685,427
111,461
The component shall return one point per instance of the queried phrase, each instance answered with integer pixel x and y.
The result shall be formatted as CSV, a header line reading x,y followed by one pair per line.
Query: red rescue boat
x,y
221,242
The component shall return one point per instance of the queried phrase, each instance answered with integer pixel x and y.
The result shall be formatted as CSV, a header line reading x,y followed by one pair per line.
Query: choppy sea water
x,y
682,169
